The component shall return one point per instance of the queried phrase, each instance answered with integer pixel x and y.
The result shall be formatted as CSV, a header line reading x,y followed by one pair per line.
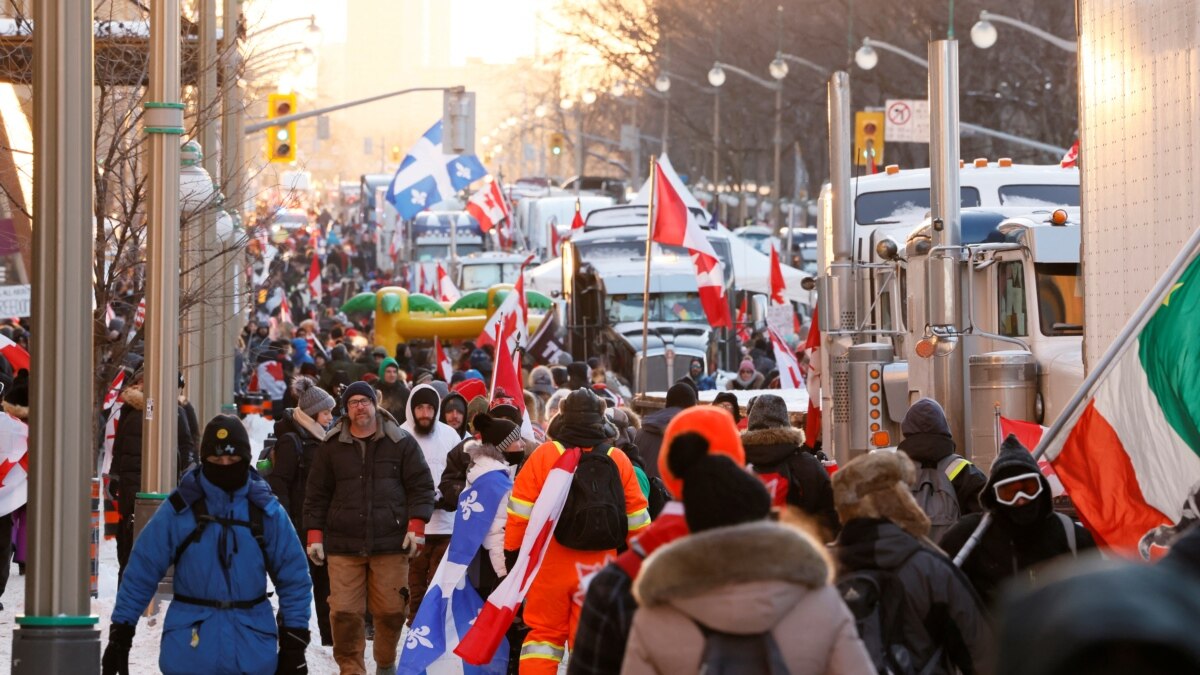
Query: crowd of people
x,y
449,523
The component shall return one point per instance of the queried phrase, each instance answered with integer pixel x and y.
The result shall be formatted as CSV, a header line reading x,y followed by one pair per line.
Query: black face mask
x,y
228,477
1025,514
514,458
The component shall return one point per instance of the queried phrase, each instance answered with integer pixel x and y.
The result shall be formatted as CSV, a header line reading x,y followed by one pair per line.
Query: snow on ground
x,y
143,658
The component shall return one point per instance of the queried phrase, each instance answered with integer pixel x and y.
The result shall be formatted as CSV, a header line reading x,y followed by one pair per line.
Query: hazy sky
x,y
497,31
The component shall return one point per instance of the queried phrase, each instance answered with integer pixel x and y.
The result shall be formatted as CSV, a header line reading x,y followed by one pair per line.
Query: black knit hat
x,y
225,435
681,395
716,491
425,396
769,412
496,431
582,403
358,388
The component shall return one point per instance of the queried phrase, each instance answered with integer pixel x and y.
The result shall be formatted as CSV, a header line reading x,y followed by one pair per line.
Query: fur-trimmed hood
x,y
765,447
737,579
135,397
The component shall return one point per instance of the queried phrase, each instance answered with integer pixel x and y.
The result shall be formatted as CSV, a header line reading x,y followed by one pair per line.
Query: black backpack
x,y
780,482
877,600
659,496
594,519
730,654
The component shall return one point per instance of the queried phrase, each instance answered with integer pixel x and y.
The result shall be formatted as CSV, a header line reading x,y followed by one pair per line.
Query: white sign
x,y
14,301
907,121
782,319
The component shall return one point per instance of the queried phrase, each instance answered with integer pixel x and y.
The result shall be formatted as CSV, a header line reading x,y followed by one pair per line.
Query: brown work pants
x,y
357,583
422,568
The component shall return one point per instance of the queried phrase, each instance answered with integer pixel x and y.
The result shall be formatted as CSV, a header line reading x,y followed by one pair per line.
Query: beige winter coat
x,y
746,579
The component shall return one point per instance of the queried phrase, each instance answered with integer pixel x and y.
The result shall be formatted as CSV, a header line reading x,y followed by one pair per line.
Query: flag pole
x,y
1141,316
643,370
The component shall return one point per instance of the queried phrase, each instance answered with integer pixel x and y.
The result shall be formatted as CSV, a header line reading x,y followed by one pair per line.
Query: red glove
x,y
414,541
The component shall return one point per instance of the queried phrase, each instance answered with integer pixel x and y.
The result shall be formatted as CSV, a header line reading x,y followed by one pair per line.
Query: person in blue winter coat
x,y
225,533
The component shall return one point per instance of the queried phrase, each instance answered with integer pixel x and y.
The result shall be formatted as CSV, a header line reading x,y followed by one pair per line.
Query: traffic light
x,y
556,143
281,140
868,138
396,155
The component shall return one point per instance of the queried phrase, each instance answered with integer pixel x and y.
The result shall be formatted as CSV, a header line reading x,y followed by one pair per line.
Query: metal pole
x,y
643,368
945,270
57,633
233,177
776,211
259,126
215,353
164,126
580,150
635,159
835,399
716,145
666,121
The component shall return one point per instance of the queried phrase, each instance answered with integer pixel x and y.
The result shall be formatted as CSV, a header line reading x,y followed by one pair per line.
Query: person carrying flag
x,y
582,543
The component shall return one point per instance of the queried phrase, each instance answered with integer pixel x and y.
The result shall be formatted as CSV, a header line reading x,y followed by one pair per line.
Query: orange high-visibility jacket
x,y
532,476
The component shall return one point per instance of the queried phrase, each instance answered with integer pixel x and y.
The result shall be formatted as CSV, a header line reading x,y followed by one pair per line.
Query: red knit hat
x,y
471,389
715,424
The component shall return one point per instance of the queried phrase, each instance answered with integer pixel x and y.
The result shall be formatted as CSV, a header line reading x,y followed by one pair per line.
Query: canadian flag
x,y
577,221
444,367
1072,157
812,347
488,207
777,285
555,241
14,353
114,389
314,279
743,322
421,287
139,318
514,303
285,310
1030,434
673,226
446,288
789,368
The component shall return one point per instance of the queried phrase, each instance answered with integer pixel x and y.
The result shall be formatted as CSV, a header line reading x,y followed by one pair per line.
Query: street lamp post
x,y
984,35
781,57
867,58
662,84
716,77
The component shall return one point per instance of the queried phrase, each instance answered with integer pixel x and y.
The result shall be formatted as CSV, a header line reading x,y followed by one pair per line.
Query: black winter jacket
x,y
927,449
297,437
362,494
650,437
942,610
127,442
769,449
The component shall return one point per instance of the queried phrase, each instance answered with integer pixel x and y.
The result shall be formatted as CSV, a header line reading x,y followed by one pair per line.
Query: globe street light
x,y
984,34
866,57
618,89
778,68
589,97
716,76
566,104
539,111
662,83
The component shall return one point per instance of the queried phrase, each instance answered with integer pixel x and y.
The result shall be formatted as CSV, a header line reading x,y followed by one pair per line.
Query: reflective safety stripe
x,y
560,447
638,519
520,508
955,467
542,650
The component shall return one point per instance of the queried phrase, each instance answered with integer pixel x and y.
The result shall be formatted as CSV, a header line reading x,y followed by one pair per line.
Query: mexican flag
x,y
1130,452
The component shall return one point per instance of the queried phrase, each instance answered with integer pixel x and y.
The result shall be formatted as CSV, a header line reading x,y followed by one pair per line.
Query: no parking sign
x,y
907,121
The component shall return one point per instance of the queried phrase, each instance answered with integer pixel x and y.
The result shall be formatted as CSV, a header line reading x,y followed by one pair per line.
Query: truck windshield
x,y
901,205
1060,298
1039,195
477,277
433,252
666,307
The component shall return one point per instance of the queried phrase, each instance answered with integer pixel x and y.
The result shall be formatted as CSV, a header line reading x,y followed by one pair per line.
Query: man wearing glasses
x,y
1025,532
368,498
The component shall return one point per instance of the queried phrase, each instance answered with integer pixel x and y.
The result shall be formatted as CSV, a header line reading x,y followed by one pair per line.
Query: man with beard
x,y
1025,530
368,498
454,413
436,440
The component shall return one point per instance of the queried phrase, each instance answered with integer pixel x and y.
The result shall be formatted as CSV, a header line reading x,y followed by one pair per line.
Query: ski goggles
x,y
1009,490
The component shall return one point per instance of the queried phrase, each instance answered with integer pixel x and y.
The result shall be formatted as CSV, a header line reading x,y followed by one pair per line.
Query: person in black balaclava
x,y
1025,530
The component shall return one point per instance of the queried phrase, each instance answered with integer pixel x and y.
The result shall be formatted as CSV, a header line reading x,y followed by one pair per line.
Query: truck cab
x,y
481,270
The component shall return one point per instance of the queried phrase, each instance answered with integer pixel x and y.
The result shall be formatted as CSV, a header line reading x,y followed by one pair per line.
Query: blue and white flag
x,y
428,176
452,604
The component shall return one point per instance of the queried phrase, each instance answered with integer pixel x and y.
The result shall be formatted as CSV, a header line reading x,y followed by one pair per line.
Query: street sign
x,y
907,121
629,137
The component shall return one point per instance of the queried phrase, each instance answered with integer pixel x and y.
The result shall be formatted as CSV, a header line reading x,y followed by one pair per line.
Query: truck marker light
x,y
925,348
1004,162
874,387
892,169
1059,217
881,439
981,162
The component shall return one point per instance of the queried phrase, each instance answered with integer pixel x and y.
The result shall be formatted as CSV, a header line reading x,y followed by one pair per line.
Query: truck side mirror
x,y
808,283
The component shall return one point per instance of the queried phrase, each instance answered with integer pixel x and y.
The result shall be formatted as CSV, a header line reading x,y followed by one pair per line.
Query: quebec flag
x,y
428,176
452,604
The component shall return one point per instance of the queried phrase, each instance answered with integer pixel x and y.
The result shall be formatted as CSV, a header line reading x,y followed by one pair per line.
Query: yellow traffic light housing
x,y
396,154
556,143
281,139
868,138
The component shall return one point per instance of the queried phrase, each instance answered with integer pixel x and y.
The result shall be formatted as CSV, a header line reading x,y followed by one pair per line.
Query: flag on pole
x,y
14,353
778,287
812,348
555,241
514,302
14,464
109,314
428,175
444,367
285,310
673,226
421,288
114,390
1129,454
452,605
1030,434
488,207
743,322
1071,159
789,368
139,318
314,280
577,220
481,642
447,291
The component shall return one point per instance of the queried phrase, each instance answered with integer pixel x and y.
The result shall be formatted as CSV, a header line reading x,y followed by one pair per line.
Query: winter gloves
x,y
116,654
316,549
414,540
292,643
